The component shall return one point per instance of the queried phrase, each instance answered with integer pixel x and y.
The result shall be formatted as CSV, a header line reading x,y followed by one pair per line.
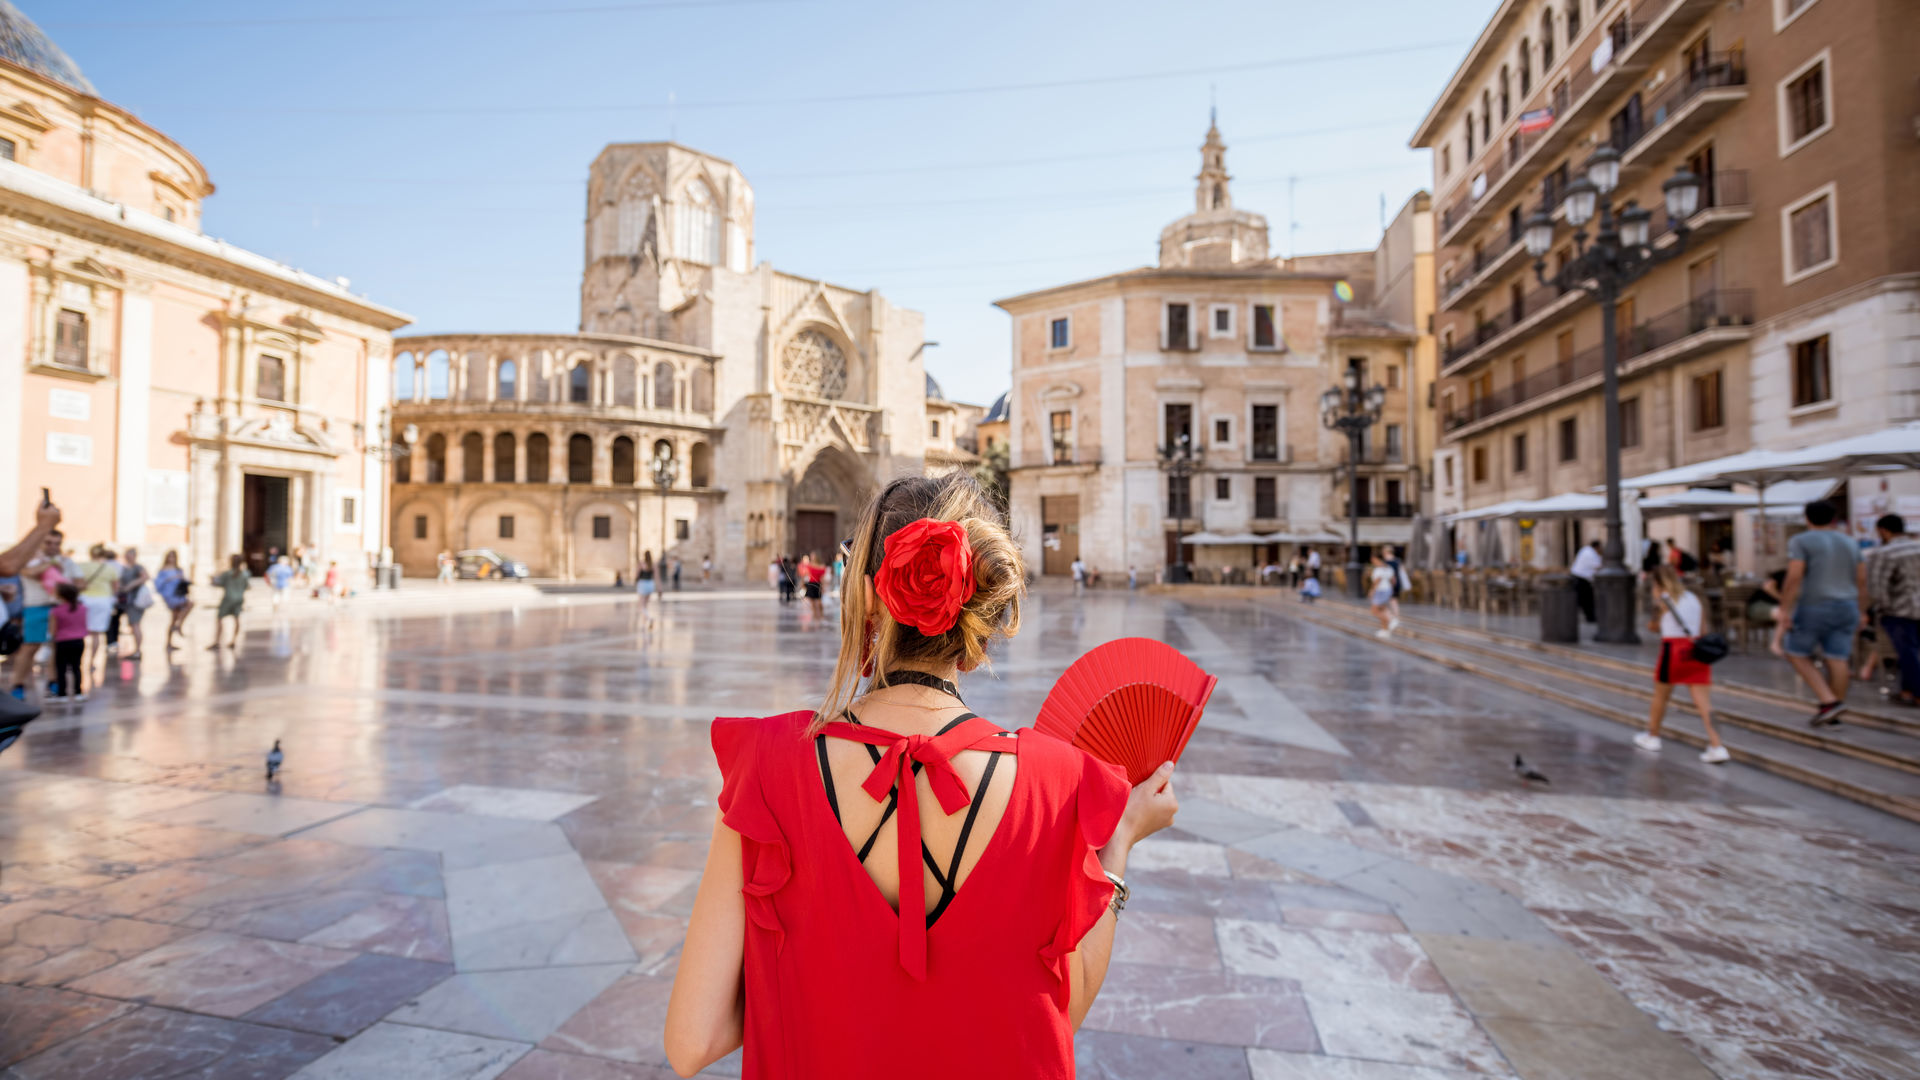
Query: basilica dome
x,y
22,43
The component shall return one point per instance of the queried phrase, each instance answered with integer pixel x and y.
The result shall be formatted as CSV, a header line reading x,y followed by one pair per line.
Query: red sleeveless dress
x,y
838,986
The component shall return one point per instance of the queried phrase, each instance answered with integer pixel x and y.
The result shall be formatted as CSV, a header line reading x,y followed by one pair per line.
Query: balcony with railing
x,y
1701,324
1370,509
1724,203
1635,39
1068,454
1480,269
1535,308
1680,111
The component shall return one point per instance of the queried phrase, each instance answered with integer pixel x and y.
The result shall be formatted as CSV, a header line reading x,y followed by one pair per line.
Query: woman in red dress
x,y
806,944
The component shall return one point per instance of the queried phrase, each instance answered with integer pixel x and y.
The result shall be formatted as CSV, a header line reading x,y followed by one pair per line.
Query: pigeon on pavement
x,y
1520,768
274,758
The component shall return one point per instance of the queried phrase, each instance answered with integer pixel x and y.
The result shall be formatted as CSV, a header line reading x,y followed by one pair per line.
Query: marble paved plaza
x,y
480,858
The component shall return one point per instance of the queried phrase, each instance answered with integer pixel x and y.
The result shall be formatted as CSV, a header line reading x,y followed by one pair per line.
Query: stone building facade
x,y
783,401
170,390
1791,318
1225,346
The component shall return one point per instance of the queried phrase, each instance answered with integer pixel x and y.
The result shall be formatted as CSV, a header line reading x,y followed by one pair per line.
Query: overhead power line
x,y
460,15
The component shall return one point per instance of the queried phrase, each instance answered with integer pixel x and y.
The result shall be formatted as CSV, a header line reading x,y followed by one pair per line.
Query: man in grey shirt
x,y
1820,609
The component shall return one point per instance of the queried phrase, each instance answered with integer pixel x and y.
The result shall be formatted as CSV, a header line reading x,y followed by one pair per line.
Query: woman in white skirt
x,y
643,587
1380,594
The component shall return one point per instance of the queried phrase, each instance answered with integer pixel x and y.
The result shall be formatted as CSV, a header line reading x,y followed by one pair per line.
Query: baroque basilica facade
x,y
708,406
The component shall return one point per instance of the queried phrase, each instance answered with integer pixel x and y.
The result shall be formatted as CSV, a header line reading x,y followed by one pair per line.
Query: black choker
x,y
921,678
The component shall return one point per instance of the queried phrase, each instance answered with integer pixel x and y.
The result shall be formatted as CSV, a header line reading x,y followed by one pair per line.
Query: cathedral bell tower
x,y
1212,192
1215,234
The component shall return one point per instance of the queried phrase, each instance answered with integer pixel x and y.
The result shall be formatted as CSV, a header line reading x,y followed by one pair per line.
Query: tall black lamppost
x,y
1353,410
1621,253
1178,462
666,470
386,445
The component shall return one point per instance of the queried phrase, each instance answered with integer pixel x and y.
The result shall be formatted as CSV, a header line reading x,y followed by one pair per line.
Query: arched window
x,y
403,469
503,457
623,460
1546,41
1526,68
1219,196
580,459
663,385
436,459
813,365
700,464
699,236
662,449
626,376
1506,97
580,384
702,390
508,383
437,375
635,209
403,380
473,457
537,472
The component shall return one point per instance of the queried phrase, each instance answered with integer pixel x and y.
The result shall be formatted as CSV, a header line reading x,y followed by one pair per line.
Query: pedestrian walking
x,y
1313,565
1079,570
70,633
38,577
1821,605
676,573
1380,595
643,588
136,596
1893,592
1650,557
1133,578
175,591
446,562
795,951
334,585
1585,565
812,572
706,569
1401,583
1678,617
773,573
280,579
97,578
232,583
788,582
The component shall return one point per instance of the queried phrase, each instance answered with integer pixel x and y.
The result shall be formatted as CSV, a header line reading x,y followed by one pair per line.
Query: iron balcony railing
x,y
1072,454
1721,308
1509,316
1718,69
1386,510
1726,189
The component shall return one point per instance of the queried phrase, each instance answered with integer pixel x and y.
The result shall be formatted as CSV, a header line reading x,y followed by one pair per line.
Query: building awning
x,y
1892,448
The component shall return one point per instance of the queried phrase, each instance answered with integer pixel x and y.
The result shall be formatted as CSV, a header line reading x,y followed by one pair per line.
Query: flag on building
x,y
1537,120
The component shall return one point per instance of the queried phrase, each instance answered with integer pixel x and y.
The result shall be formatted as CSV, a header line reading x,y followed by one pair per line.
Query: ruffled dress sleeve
x,y
766,862
1099,802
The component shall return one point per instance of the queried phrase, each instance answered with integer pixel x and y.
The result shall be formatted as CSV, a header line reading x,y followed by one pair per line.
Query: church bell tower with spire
x,y
1215,234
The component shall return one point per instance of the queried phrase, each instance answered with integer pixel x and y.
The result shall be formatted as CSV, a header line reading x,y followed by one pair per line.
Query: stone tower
x,y
1215,234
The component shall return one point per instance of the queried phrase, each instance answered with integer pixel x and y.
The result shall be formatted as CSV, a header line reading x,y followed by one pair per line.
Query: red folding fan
x,y
1132,702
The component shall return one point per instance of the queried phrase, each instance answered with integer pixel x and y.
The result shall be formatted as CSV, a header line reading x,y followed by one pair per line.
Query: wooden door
x,y
813,535
1059,533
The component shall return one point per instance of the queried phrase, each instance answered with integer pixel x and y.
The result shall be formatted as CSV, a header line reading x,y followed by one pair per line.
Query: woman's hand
x,y
1150,808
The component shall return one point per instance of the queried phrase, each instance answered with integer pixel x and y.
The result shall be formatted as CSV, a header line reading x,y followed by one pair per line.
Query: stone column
x,y
486,455
520,459
232,486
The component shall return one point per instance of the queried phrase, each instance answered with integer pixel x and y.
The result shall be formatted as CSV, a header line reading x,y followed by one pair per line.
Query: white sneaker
x,y
1393,623
1383,633
1715,755
1649,743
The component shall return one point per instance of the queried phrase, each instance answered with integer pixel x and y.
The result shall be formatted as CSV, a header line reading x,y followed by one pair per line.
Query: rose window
x,y
814,366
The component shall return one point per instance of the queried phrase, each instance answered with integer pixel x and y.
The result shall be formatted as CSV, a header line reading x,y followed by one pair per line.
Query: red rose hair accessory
x,y
926,575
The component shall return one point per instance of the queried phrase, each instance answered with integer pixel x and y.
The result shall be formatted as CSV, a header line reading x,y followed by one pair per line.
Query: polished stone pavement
x,y
481,855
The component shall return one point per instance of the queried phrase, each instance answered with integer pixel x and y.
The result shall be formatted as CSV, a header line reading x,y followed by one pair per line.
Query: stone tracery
x,y
814,365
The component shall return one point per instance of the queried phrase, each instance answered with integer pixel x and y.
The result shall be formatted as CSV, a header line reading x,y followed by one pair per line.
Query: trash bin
x,y
389,576
1559,609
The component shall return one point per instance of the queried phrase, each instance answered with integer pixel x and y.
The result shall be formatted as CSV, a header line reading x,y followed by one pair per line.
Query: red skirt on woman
x,y
1677,666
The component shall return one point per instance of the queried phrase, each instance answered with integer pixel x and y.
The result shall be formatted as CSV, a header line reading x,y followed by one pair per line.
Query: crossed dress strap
x,y
893,778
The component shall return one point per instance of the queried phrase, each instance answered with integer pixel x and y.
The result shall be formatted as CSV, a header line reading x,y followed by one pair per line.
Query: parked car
x,y
486,564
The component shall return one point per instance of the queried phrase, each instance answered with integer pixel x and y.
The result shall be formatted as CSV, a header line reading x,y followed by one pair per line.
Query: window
x,y
1526,67
682,529
1563,346
537,471
1785,11
1812,372
1060,429
349,507
1223,430
1222,488
579,384
602,527
1222,322
1469,134
70,339
1506,94
1395,449
1179,423
663,395
1265,332
506,382
1266,433
270,383
6,149
1265,503
1057,332
933,429
436,459
1546,41
623,466
1707,414
1520,452
506,526
1479,464
1393,376
419,526
503,457
699,233
1804,109
1446,471
1570,439
1179,326
1486,117
1396,494
1630,423
1446,159
1516,304
1573,21
580,459
1179,496
1809,234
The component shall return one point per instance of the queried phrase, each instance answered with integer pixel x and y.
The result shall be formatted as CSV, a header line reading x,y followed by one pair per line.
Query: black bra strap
x,y
893,794
949,884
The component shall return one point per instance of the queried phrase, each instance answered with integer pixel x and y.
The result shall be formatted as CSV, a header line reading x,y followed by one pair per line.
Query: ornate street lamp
x,y
385,447
1622,253
1178,462
666,470
1353,409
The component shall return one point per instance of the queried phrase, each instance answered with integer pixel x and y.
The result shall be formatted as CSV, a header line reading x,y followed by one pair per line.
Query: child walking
x,y
1678,623
69,620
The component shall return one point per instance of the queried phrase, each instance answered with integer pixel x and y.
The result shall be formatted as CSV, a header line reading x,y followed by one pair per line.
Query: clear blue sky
x,y
436,153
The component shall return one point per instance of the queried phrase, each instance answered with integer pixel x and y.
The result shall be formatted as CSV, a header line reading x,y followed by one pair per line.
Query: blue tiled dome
x,y
933,388
998,411
22,43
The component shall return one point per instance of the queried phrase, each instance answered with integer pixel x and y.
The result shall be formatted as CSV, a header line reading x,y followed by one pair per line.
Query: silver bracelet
x,y
1120,892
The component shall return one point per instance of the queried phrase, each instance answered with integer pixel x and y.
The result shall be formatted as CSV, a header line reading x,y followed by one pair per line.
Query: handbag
x,y
14,717
1707,648
11,637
